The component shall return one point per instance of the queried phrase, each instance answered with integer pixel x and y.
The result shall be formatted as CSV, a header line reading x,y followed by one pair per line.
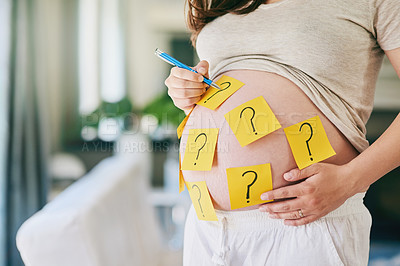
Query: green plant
x,y
164,109
107,110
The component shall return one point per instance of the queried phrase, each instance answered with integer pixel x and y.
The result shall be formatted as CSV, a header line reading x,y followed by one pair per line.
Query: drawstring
x,y
219,257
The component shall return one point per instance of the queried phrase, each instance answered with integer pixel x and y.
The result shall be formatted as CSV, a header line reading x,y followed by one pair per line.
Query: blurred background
x,y
88,136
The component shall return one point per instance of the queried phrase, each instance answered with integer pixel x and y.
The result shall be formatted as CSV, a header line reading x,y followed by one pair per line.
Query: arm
x,y
327,186
384,151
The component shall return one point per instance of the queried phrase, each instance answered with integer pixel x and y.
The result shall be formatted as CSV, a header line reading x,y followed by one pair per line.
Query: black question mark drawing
x,y
226,82
249,185
251,119
311,134
204,144
199,198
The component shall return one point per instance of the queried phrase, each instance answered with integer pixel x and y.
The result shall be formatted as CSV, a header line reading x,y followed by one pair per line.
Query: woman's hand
x,y
325,188
186,87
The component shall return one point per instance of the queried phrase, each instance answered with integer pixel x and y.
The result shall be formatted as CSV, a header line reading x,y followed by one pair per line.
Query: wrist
x,y
355,178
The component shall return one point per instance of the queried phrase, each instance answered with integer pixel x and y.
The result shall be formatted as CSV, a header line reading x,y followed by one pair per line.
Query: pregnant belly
x,y
290,106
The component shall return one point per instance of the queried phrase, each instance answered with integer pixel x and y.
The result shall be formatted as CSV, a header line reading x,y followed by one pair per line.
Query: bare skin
x,y
272,1
326,185
289,104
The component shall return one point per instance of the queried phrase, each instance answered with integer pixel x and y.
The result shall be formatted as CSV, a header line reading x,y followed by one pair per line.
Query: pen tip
x,y
215,86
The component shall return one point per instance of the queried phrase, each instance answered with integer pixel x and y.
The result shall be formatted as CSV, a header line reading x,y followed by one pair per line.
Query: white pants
x,y
252,238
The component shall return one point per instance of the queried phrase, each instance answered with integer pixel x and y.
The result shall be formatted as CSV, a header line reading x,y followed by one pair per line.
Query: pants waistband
x,y
253,219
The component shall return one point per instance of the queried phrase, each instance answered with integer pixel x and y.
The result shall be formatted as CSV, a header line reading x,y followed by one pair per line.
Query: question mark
x,y
227,82
251,119
204,144
249,185
308,147
199,198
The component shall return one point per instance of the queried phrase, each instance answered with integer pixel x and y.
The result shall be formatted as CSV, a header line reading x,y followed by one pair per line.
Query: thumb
x,y
297,174
202,68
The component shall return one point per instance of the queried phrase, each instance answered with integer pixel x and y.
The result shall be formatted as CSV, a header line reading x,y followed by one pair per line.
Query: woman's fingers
x,y
186,87
290,211
185,103
282,193
202,67
296,174
302,221
324,189
184,84
288,215
181,73
286,206
300,189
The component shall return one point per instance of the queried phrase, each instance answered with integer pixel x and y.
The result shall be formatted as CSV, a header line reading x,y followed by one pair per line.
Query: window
x,y
89,97
101,68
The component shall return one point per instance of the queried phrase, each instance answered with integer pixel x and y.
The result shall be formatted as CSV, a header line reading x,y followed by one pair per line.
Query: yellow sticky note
x,y
214,97
246,184
181,179
182,125
309,142
201,200
252,120
200,148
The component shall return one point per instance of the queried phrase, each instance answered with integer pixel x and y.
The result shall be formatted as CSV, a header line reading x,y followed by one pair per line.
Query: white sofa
x,y
103,219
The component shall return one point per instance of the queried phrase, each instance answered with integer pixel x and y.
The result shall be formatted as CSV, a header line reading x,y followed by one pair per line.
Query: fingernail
x,y
202,70
273,216
264,197
288,176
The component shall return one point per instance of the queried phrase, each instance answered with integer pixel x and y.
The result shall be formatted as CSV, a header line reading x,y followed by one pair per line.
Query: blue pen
x,y
169,59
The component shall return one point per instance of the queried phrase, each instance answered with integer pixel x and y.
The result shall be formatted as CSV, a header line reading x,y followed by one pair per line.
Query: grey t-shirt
x,y
331,49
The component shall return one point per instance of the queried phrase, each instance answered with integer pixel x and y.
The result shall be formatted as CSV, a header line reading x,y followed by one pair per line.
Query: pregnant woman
x,y
306,58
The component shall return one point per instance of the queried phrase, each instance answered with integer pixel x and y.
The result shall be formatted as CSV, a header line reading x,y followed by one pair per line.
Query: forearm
x,y
380,158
